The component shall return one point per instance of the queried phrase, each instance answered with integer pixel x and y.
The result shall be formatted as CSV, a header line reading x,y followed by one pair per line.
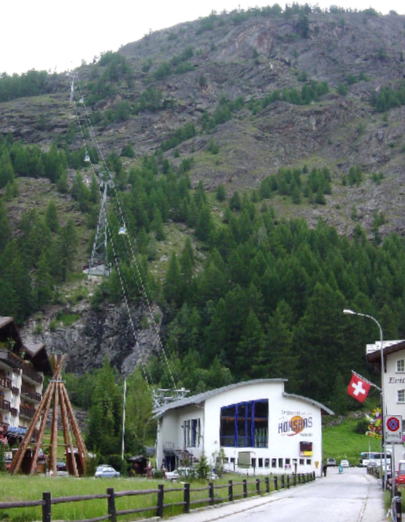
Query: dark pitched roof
x,y
36,352
375,356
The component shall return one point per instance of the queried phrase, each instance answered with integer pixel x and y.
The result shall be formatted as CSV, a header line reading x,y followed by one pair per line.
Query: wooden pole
x,y
54,432
42,427
82,452
66,434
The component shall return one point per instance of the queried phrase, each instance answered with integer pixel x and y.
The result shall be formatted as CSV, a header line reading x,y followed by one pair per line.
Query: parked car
x,y
331,462
106,471
61,469
400,474
179,473
344,463
186,473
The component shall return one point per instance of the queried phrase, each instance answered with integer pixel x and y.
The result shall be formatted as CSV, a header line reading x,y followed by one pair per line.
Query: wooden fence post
x,y
294,479
186,497
282,481
258,486
267,482
46,507
288,481
111,505
211,493
244,485
160,498
275,483
230,490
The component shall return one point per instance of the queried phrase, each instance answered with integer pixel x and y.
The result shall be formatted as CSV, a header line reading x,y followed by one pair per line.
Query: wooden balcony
x,y
5,383
27,412
31,374
4,404
11,359
30,395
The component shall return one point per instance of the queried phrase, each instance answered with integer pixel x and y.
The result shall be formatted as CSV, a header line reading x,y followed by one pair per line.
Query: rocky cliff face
x,y
125,338
248,55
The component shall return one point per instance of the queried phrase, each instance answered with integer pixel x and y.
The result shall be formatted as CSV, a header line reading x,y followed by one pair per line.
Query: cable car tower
x,y
98,264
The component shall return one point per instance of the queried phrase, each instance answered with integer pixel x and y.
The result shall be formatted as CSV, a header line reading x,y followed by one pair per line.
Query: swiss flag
x,y
358,388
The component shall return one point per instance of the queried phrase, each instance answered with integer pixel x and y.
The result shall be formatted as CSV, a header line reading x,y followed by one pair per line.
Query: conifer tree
x,y
51,217
172,286
6,169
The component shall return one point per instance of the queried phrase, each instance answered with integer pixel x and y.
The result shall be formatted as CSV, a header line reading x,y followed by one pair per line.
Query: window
x,y
280,463
245,425
309,462
253,462
260,463
266,463
302,462
192,430
401,365
401,395
273,463
305,449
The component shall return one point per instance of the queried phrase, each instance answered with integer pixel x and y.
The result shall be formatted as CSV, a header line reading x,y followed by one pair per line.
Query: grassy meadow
x,y
342,442
20,487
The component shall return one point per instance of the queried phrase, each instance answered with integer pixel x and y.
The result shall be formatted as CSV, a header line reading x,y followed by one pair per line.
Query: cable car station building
x,y
255,426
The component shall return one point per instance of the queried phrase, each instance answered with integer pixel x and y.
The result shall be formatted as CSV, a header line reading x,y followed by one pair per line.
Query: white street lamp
x,y
352,312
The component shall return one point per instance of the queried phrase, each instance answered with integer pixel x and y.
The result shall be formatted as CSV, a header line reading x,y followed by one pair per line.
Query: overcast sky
x,y
54,35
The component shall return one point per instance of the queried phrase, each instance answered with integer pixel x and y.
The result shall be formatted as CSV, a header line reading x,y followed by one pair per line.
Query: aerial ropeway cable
x,y
99,264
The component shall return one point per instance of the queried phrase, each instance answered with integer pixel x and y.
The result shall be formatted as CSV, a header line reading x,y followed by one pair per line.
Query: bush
x,y
202,468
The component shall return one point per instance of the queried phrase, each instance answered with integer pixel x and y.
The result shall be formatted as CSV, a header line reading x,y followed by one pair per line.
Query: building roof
x,y
4,321
324,408
373,353
202,397
36,353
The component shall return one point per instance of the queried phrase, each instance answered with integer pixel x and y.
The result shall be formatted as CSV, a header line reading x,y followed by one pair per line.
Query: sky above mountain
x,y
58,36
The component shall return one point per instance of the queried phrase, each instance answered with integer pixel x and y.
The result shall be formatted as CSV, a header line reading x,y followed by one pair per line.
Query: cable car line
x,y
104,235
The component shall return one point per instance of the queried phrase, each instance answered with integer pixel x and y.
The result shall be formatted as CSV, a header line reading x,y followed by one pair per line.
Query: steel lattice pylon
x,y
98,264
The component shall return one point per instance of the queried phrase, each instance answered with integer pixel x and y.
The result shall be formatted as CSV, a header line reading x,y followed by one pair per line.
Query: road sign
x,y
393,428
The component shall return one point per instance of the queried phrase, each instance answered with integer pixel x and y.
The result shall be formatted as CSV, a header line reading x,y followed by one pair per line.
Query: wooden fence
x,y
235,490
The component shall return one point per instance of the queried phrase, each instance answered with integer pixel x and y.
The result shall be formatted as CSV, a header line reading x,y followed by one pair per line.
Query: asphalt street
x,y
352,496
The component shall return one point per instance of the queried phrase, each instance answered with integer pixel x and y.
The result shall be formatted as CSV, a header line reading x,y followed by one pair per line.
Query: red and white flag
x,y
358,387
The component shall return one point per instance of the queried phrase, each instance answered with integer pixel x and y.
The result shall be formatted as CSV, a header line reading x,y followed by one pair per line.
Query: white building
x,y
254,425
393,383
22,369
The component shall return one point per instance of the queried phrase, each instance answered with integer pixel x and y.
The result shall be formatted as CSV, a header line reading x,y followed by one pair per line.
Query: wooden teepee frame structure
x,y
55,399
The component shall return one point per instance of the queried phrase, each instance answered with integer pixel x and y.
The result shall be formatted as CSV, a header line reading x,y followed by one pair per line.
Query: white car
x,y
106,471
344,463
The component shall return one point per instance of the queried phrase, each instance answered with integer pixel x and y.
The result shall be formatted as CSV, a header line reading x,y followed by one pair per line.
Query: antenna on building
x,y
163,396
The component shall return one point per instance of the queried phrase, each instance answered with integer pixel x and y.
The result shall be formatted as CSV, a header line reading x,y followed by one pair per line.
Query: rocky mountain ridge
x,y
195,73
248,55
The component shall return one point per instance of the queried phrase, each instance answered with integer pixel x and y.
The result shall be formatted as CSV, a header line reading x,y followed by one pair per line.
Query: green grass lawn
x,y
342,442
23,488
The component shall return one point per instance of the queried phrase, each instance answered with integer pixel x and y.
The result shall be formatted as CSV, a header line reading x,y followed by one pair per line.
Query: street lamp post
x,y
352,312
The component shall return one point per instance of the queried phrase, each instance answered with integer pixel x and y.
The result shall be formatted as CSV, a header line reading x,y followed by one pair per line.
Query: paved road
x,y
352,496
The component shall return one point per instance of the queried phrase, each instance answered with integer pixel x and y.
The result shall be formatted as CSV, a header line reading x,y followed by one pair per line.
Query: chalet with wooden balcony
x,y
22,369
